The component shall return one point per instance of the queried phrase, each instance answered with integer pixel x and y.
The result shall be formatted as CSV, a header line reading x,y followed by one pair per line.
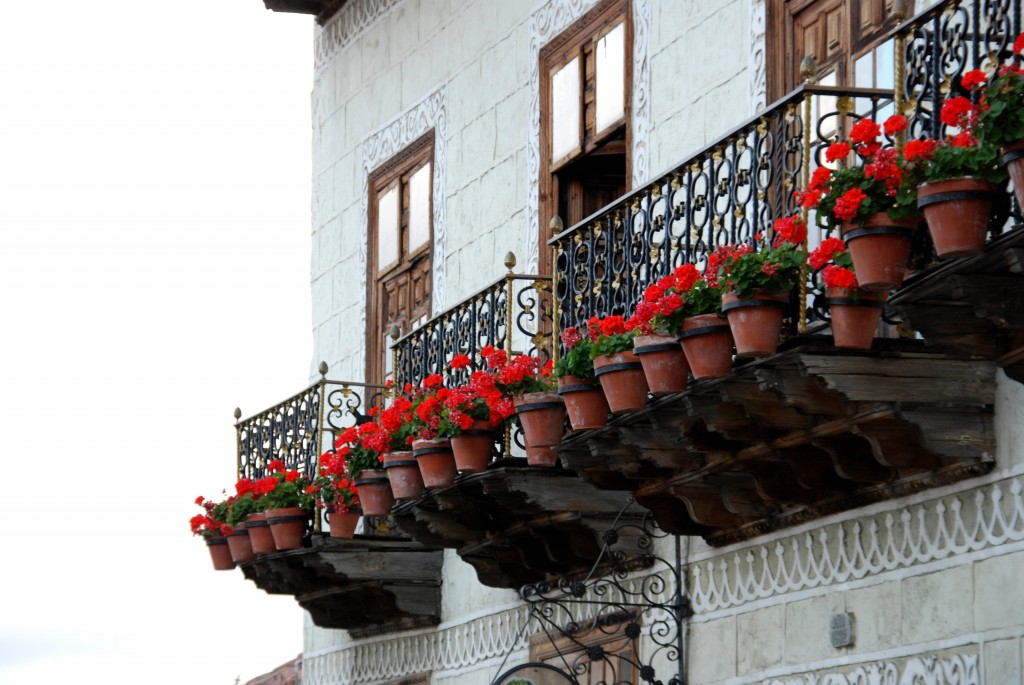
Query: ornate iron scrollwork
x,y
597,621
293,430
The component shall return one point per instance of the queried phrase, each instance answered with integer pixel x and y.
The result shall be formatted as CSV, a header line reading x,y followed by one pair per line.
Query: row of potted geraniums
x,y
525,387
478,411
1001,121
855,312
403,472
584,400
872,204
288,504
959,178
617,368
336,494
657,321
210,526
362,447
756,285
433,429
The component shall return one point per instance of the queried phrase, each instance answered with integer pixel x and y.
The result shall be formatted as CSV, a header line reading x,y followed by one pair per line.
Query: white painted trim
x,y
945,531
351,22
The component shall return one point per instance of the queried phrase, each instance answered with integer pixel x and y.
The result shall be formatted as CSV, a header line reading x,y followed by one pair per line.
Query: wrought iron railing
x,y
514,314
293,430
734,189
942,43
728,193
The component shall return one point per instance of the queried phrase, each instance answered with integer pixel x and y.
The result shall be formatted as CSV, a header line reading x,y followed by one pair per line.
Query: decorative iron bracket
x,y
597,621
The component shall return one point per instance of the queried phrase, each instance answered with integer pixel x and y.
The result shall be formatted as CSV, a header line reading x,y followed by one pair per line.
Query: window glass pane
x,y
565,119
419,208
610,61
884,69
864,72
387,227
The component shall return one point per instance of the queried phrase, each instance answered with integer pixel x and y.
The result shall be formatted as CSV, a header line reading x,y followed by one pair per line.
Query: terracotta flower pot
x,y
240,547
707,342
374,487
664,363
622,378
585,403
755,322
541,456
375,495
472,447
260,537
288,526
542,416
404,475
879,248
343,525
855,319
220,555
436,461
1013,158
957,211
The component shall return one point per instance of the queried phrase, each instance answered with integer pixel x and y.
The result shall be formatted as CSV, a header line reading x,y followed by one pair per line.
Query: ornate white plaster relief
x,y
974,521
344,27
758,52
383,144
956,669
547,21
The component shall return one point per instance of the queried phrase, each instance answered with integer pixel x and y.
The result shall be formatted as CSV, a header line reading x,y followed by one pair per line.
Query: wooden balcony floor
x,y
807,432
517,524
366,585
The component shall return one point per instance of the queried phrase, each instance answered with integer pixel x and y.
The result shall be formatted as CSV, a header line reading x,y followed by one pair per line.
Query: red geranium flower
x,y
895,124
837,151
865,131
973,79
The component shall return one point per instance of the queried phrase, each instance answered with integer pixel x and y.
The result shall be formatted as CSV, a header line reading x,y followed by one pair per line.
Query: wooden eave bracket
x,y
519,524
805,433
364,584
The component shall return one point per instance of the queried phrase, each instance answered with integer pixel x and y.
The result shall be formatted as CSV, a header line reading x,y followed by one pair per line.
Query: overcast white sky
x,y
154,261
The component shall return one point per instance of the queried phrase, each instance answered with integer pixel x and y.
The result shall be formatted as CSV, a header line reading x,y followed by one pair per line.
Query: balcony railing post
x,y
322,389
807,69
238,443
510,264
900,11
556,227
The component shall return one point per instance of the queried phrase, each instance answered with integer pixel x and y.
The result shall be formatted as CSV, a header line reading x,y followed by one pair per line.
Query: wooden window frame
x,y
588,29
781,62
396,171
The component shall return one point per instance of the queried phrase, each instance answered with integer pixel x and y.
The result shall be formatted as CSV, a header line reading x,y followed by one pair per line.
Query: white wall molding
x,y
983,521
954,669
547,21
758,53
428,114
346,26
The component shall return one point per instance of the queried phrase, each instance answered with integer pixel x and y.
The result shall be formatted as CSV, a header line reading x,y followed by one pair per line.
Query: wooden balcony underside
x,y
366,585
973,306
518,524
808,432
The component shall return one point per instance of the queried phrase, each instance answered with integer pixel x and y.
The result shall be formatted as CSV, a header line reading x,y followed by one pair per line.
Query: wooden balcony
x,y
973,306
517,524
367,585
810,431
